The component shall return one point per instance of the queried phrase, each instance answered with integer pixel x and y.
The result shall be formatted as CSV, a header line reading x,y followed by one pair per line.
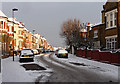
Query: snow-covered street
x,y
73,69
88,71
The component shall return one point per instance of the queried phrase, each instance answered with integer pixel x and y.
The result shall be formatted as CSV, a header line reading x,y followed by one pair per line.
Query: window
x,y
115,18
111,43
107,23
2,23
111,19
95,33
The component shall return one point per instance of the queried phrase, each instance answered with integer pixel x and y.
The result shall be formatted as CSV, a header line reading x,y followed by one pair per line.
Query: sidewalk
x,y
13,71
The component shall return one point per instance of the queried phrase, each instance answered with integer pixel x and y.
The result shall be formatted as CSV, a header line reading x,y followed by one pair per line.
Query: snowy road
x,y
59,70
65,72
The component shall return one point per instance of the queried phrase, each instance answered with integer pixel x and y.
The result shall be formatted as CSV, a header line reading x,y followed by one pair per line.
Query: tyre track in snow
x,y
60,74
85,73
70,73
64,64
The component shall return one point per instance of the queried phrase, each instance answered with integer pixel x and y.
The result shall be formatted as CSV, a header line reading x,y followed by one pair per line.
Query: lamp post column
x,y
13,28
13,33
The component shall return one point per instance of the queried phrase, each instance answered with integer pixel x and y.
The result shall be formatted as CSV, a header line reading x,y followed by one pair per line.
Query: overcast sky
x,y
47,17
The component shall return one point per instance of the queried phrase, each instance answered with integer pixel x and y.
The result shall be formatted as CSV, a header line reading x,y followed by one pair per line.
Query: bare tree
x,y
70,30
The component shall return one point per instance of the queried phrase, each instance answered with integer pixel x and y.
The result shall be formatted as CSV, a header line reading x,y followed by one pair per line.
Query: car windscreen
x,y
26,52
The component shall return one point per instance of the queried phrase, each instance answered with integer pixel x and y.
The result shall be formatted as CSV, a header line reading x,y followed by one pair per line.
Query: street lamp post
x,y
33,37
13,29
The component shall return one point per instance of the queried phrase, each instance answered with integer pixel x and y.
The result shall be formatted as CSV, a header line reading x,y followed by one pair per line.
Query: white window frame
x,y
96,34
115,19
109,42
110,18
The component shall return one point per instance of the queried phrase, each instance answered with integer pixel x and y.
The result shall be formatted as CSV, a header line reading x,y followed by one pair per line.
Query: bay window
x,y
111,19
111,43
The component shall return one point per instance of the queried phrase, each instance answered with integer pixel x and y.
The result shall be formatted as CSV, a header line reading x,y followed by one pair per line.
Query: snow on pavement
x,y
14,72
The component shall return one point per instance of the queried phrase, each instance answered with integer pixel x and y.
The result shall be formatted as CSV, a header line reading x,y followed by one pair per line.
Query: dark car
x,y
26,55
46,50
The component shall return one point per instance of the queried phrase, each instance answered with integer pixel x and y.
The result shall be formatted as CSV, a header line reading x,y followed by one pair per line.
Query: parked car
x,y
26,55
39,51
46,50
35,51
56,52
62,54
118,51
43,51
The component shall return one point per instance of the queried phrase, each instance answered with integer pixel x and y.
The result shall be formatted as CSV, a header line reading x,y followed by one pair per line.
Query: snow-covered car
x,y
62,54
118,51
56,52
35,51
39,51
26,55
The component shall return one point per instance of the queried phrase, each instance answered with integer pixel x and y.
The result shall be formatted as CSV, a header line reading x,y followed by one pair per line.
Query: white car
x,y
35,51
62,54
26,55
118,51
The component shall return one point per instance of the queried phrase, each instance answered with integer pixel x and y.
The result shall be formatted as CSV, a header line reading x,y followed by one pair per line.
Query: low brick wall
x,y
100,56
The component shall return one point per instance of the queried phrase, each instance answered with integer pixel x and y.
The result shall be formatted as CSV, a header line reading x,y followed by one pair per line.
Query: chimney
x,y
15,18
88,23
22,23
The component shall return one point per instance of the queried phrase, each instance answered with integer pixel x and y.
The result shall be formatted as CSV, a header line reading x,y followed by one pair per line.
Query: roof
x,y
83,30
11,19
24,29
97,24
90,25
43,38
2,14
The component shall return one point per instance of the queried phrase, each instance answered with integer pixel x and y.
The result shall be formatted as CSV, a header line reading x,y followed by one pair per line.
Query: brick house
x,y
111,18
21,36
97,35
107,33
3,30
18,33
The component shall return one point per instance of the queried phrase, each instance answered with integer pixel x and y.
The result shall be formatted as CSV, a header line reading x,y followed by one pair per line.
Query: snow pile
x,y
13,72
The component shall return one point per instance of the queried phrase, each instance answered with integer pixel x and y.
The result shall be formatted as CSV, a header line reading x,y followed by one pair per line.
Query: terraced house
x,y
3,31
23,38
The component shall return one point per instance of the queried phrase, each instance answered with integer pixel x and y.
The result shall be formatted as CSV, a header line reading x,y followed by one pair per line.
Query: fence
x,y
112,58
